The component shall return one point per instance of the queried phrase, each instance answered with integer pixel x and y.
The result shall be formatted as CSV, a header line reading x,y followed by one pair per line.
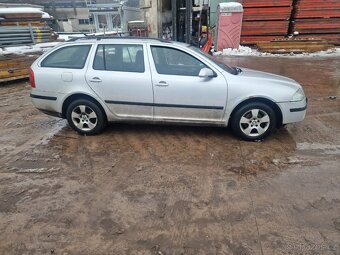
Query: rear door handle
x,y
162,84
96,80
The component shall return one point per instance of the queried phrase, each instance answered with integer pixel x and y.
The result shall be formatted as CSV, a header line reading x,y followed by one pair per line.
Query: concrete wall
x,y
72,15
151,15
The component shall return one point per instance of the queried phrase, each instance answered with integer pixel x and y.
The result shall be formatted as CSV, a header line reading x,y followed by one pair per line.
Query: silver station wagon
x,y
93,81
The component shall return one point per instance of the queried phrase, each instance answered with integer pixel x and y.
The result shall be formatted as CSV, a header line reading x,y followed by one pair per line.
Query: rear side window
x,y
120,58
73,57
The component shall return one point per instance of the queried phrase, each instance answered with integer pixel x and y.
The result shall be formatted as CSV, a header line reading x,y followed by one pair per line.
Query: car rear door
x,y
120,76
179,93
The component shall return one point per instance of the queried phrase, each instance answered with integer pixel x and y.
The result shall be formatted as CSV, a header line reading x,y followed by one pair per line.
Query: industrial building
x,y
88,15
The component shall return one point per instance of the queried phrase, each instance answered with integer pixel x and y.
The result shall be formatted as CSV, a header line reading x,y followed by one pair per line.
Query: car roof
x,y
110,39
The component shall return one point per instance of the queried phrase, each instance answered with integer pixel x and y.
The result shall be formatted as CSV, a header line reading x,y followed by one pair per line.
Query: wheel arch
x,y
266,101
77,96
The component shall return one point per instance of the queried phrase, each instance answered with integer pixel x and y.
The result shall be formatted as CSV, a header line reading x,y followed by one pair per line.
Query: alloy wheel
x,y
84,118
254,122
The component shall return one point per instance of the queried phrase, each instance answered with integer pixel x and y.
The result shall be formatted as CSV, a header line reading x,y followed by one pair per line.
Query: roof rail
x,y
103,37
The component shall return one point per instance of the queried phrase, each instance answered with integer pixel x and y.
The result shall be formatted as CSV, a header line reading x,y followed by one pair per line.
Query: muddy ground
x,y
144,189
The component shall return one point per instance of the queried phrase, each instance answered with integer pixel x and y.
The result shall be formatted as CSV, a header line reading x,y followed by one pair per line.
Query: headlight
x,y
298,96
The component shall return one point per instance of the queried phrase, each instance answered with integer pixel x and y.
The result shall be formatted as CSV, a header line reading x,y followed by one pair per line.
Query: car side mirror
x,y
206,73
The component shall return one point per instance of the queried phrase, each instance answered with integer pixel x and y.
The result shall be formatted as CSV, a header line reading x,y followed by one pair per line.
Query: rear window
x,y
73,57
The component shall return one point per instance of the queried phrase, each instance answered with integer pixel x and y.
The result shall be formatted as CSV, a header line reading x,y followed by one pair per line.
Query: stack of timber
x,y
317,19
14,66
23,26
295,46
265,20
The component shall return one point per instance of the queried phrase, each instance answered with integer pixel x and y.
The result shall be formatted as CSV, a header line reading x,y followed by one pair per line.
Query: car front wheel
x,y
85,117
253,121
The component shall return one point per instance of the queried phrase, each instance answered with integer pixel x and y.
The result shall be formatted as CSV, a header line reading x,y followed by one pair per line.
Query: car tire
x,y
253,121
85,117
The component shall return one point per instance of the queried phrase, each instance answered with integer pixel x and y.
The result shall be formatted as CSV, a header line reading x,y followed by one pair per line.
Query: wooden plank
x,y
36,16
265,28
266,3
23,23
11,73
270,13
253,39
318,13
330,38
318,4
317,26
14,78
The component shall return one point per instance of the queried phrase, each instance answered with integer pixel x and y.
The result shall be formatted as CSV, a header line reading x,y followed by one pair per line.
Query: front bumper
x,y
293,111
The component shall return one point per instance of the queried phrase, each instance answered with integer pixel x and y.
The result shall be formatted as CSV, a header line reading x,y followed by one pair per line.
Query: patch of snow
x,y
47,44
330,52
40,47
246,51
241,51
67,37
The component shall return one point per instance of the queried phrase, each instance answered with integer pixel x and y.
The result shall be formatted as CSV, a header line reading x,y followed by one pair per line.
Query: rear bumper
x,y
46,104
54,114
43,97
293,111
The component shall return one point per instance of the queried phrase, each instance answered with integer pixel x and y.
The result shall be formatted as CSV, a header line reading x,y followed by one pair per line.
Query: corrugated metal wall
x,y
265,20
317,19
23,35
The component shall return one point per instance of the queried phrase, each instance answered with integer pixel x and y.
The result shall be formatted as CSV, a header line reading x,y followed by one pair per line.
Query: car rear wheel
x,y
253,121
85,117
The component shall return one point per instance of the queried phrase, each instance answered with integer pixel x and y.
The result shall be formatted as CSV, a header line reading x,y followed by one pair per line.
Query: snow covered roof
x,y
15,10
45,15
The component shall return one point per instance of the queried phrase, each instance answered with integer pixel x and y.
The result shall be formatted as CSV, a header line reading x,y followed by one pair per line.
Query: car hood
x,y
269,77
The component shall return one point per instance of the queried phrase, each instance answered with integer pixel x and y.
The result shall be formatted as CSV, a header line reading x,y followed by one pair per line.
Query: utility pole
x,y
174,19
188,21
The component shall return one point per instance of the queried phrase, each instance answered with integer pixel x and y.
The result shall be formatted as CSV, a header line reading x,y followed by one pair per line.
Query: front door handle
x,y
162,84
96,80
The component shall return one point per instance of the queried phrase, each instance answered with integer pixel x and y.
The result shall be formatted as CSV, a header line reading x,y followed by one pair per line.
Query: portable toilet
x,y
229,25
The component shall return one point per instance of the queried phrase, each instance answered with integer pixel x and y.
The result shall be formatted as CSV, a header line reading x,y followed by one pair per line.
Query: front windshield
x,y
216,61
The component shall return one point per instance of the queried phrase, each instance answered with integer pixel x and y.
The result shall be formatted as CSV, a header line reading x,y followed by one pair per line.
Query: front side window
x,y
224,66
73,57
175,62
120,58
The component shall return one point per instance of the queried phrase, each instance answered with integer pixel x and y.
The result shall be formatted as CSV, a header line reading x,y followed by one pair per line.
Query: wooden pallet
x,y
23,23
294,46
14,67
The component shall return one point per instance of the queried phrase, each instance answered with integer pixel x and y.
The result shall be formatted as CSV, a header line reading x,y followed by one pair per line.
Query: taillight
x,y
32,80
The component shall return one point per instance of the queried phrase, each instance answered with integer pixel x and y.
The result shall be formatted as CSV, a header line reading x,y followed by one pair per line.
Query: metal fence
x,y
23,35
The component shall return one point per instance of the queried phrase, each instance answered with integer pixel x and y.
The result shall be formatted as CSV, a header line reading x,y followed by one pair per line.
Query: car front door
x,y
179,93
120,76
